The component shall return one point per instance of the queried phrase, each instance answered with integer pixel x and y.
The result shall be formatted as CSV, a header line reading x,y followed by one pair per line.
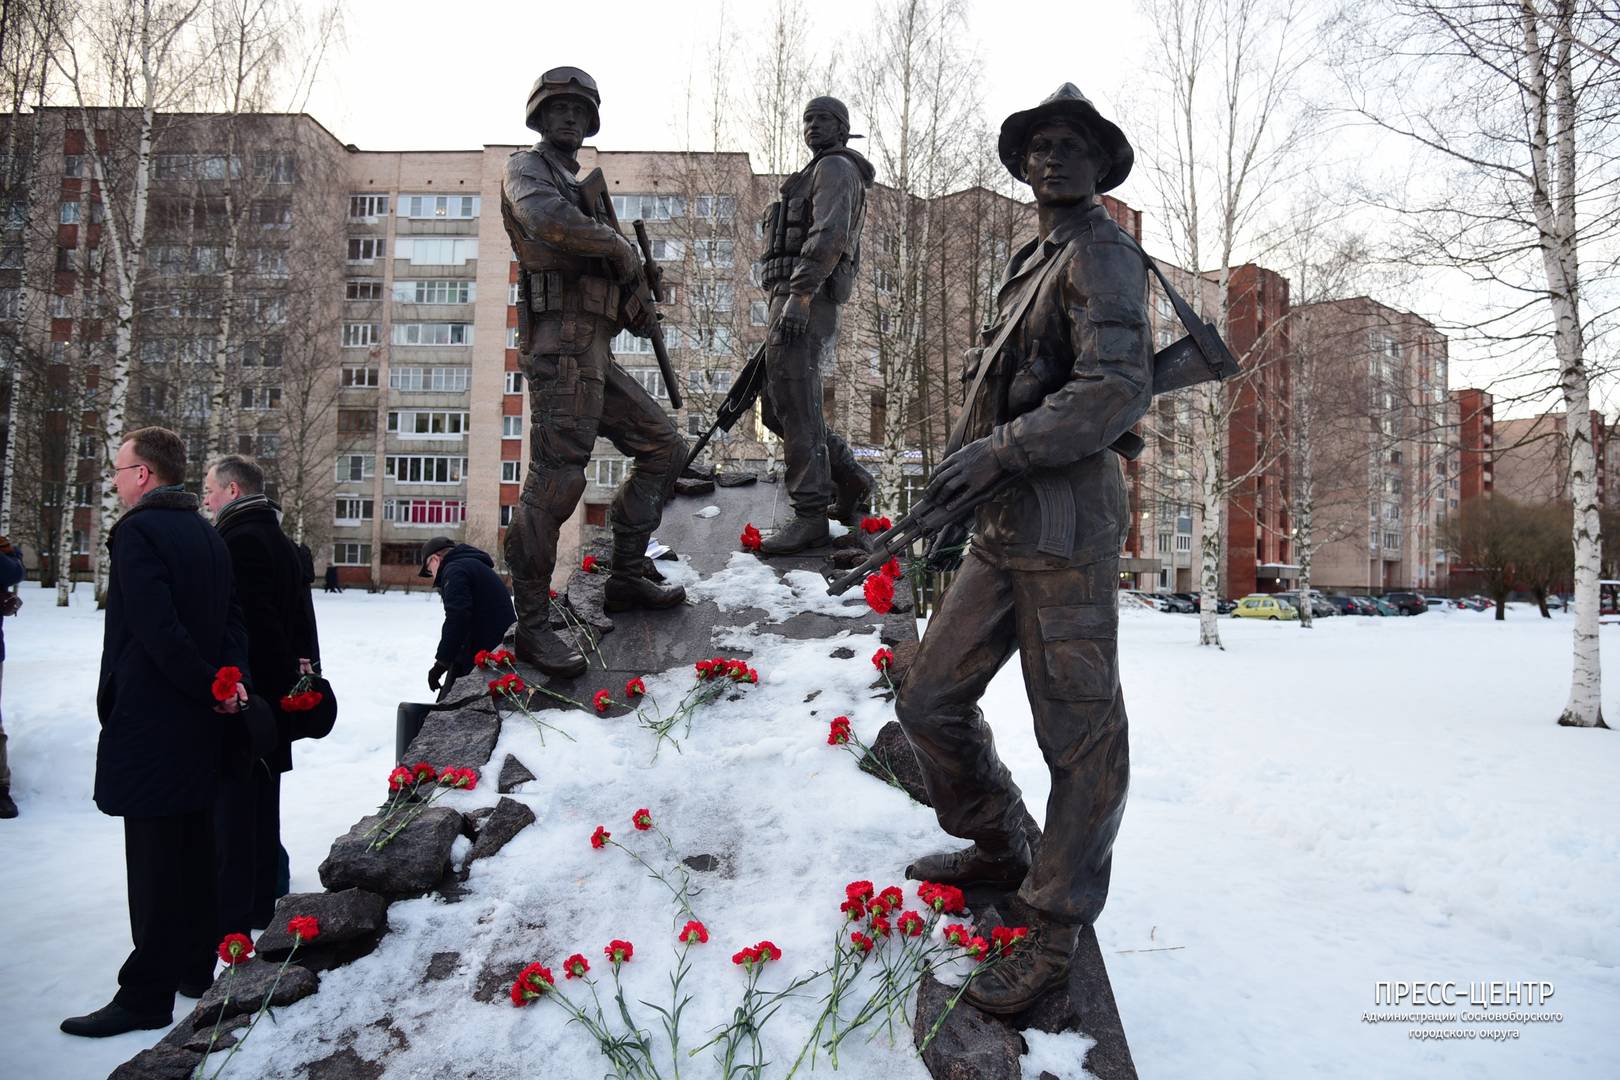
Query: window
x,y
1392,541
511,337
10,303
651,380
351,554
424,469
436,250
433,334
626,342
713,382
885,323
260,398
11,256
713,295
270,261
272,213
69,214
759,313
434,292
351,510
1164,543
428,423
265,352
363,289
511,427
716,207
514,382
506,514
664,250
265,308
356,421
358,376
355,466
361,335
712,252
438,206
649,207
365,249
694,424
424,511
511,472
883,279
367,207
609,472
1183,542
276,168
715,340
441,380
511,294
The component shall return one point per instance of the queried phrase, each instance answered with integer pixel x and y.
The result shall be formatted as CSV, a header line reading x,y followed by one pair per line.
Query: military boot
x,y
1037,965
635,583
535,642
854,491
976,865
804,531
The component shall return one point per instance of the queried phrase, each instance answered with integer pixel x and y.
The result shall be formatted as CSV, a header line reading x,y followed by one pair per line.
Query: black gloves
x,y
435,673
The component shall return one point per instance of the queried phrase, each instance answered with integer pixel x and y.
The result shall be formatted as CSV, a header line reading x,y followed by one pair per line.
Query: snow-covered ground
x,y
1311,813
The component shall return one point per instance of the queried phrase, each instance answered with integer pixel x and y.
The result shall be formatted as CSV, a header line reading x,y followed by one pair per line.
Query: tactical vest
x,y
785,225
559,287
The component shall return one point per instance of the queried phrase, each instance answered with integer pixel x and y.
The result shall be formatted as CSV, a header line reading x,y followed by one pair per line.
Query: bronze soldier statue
x,y
1067,369
577,273
812,254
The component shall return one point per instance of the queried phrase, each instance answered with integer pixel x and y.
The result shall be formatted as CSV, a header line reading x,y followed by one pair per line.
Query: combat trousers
x,y
1064,624
573,398
791,406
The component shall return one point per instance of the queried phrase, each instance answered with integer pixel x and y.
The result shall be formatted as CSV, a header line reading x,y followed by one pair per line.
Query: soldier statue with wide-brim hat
x,y
1064,371
575,271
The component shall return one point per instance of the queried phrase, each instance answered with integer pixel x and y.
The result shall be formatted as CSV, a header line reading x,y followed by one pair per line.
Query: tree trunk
x,y
1209,541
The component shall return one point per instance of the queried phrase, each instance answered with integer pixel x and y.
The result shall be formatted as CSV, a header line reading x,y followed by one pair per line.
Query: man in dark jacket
x,y
1067,369
172,622
11,572
282,647
477,607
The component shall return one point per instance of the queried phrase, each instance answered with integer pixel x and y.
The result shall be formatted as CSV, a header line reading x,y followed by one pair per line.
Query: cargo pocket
x,y
1081,647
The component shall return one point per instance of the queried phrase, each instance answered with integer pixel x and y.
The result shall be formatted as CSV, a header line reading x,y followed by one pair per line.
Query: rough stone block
x,y
891,748
510,818
970,1045
248,984
513,774
409,865
161,1062
352,922
465,737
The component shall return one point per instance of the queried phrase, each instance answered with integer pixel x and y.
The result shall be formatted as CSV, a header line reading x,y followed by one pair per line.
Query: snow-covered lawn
x,y
1311,813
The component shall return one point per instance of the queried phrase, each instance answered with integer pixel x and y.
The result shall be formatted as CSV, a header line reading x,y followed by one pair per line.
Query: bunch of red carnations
x,y
237,949
406,801
840,733
303,696
714,676
509,686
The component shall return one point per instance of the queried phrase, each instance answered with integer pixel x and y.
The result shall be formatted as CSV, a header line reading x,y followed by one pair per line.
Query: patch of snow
x,y
1063,1056
750,582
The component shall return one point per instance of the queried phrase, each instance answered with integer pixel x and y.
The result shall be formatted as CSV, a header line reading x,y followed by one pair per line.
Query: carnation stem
x,y
264,1007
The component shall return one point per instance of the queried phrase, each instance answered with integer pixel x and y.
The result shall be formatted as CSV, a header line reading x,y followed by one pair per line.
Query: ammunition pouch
x,y
587,294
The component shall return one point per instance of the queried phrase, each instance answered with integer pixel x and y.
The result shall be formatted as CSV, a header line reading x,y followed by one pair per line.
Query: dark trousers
x,y
247,841
573,399
1064,624
170,865
815,458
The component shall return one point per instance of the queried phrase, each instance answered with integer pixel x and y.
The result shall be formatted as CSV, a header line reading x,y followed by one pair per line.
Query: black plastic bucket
x,y
408,721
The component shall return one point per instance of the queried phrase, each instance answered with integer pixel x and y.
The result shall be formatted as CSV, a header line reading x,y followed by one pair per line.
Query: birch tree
x,y
1231,133
1510,107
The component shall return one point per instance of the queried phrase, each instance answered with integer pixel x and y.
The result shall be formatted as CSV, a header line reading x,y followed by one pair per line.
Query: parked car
x,y
1344,605
1434,602
1320,608
1192,598
1262,606
1384,607
1138,599
1224,606
1365,605
1175,602
1407,603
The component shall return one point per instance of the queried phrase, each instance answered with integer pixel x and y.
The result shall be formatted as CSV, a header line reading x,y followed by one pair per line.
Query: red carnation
x,y
424,773
853,909
880,925
751,538
236,948
226,680
400,779
892,571
600,837
876,524
292,703
694,933
464,779
883,658
531,982
634,688
575,967
957,934
911,924
745,957
890,899
588,564
858,890
838,732
862,942
601,699
946,898
481,658
553,593
642,819
879,593
766,950
1004,937
618,951
978,948
704,668
304,927
500,656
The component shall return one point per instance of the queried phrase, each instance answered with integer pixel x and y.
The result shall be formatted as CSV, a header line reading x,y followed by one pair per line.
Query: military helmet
x,y
564,82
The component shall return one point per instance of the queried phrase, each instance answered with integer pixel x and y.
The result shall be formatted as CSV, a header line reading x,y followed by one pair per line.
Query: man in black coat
x,y
172,622
477,606
282,647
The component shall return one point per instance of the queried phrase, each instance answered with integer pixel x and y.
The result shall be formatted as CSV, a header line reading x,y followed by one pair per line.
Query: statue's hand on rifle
x,y
946,549
795,316
969,472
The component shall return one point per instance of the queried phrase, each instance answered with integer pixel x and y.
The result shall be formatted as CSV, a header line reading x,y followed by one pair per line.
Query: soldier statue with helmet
x,y
577,278
813,252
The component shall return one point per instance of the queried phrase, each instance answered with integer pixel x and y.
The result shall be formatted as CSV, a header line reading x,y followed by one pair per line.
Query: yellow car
x,y
1260,606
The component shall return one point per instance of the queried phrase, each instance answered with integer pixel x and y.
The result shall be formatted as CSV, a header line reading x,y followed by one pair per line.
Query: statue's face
x,y
822,130
564,121
1061,162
